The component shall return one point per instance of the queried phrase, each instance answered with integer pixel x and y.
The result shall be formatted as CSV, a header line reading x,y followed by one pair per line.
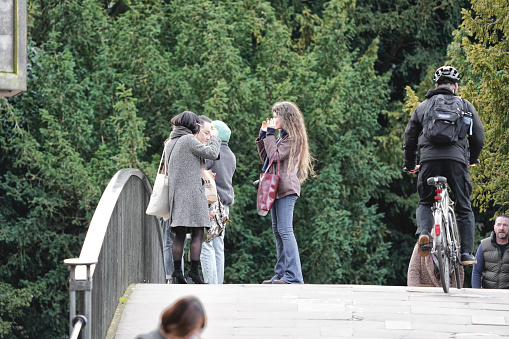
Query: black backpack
x,y
446,120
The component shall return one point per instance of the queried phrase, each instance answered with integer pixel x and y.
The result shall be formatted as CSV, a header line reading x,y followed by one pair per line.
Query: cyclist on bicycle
x,y
449,160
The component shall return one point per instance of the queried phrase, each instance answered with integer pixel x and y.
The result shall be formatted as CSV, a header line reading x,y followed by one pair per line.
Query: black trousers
x,y
459,182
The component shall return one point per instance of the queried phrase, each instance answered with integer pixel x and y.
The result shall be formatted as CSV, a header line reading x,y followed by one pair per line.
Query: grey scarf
x,y
179,131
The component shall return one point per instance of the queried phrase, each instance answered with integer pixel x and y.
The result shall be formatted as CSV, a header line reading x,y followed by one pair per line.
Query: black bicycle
x,y
446,240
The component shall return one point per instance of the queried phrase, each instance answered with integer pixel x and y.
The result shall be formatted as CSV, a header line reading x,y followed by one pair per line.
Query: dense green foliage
x,y
481,46
105,78
413,35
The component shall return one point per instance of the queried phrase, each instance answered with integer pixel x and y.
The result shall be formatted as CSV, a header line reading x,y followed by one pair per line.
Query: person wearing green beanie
x,y
223,130
212,255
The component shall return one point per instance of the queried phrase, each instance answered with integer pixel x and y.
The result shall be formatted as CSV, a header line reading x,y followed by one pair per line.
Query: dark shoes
x,y
274,281
279,281
178,278
191,277
195,277
467,259
424,244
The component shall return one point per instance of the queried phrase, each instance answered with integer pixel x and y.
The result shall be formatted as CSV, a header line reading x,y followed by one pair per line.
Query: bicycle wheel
x,y
443,260
456,249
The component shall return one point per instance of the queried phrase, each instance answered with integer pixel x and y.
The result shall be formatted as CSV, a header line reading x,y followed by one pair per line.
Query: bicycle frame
x,y
445,241
440,206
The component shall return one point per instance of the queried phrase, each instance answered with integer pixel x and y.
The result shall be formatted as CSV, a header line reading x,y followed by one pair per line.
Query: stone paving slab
x,y
414,318
326,311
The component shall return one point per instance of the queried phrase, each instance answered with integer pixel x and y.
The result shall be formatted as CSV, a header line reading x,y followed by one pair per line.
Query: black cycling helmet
x,y
446,72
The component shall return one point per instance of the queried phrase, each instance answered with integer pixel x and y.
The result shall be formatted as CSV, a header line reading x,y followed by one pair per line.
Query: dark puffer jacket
x,y
496,264
460,151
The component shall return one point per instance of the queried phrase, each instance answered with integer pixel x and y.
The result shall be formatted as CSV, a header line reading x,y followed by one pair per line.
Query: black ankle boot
x,y
194,274
177,276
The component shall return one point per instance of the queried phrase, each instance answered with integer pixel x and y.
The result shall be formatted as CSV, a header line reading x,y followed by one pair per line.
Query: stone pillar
x,y
13,47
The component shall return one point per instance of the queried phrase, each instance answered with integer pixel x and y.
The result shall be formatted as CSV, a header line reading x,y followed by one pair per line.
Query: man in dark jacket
x,y
492,268
449,160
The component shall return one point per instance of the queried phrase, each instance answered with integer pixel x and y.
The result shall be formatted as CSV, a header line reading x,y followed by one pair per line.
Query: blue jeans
x,y
288,266
212,258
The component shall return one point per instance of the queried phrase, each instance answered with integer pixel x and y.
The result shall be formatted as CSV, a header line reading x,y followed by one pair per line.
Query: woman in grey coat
x,y
184,157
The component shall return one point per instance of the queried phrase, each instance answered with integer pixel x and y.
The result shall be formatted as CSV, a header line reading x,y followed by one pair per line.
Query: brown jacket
x,y
288,182
421,272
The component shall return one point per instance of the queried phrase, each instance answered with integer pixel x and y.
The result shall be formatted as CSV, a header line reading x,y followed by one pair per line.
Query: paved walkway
x,y
326,311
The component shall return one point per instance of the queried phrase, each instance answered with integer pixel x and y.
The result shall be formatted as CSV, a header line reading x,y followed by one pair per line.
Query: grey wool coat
x,y
184,158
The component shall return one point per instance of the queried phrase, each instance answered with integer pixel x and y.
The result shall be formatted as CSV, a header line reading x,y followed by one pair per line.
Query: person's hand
x,y
212,215
213,131
271,123
415,170
264,125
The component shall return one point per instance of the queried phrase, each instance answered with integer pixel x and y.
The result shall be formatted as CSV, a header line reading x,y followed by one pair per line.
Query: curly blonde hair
x,y
292,122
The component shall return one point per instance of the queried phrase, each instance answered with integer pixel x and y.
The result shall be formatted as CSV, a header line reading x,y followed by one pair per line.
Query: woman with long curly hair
x,y
295,167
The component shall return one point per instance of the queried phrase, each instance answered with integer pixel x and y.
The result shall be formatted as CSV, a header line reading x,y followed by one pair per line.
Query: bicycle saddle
x,y
437,180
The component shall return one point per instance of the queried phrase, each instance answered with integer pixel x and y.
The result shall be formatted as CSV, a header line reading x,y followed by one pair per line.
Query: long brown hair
x,y
292,122
183,317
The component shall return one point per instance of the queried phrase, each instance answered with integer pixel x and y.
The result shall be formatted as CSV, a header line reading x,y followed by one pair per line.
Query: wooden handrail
x,y
123,246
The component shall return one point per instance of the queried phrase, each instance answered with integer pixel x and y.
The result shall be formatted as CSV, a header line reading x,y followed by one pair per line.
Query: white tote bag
x,y
159,201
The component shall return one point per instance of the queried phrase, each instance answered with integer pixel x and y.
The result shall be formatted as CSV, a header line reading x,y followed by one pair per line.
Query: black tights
x,y
180,238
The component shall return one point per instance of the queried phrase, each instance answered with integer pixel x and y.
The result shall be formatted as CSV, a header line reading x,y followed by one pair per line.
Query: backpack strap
x,y
469,116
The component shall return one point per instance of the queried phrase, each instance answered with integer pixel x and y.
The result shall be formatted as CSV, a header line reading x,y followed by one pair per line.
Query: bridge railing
x,y
123,246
